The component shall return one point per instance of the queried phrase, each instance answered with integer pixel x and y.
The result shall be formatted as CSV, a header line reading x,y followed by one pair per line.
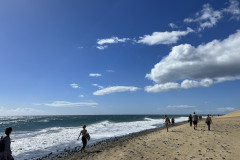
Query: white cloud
x,y
115,89
233,9
102,47
111,40
207,64
95,75
181,107
74,85
102,42
80,47
172,25
71,104
226,109
19,111
81,96
162,87
99,86
206,18
163,37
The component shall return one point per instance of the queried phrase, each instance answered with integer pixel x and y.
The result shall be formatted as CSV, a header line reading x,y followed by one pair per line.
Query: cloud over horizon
x,y
115,89
71,104
207,64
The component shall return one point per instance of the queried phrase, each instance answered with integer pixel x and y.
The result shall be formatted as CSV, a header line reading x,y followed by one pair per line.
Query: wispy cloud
x,y
74,85
102,47
111,40
102,43
233,9
71,104
172,25
110,71
19,111
99,86
226,109
181,107
207,64
81,96
95,75
208,17
115,89
163,37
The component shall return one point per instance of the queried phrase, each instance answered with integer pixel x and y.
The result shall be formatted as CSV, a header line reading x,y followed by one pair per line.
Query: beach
x,y
181,142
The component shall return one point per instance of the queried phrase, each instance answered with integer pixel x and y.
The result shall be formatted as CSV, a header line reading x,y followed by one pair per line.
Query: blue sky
x,y
119,57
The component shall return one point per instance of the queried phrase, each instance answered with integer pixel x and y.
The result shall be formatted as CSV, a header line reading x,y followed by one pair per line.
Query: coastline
x,y
181,142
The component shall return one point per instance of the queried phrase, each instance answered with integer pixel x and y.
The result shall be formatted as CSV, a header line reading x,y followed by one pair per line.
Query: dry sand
x,y
182,142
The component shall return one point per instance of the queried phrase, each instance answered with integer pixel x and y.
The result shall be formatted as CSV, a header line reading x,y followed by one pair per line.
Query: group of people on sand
x,y
195,119
192,119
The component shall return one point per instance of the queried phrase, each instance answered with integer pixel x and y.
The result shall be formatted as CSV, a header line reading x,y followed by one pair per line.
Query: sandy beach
x,y
181,142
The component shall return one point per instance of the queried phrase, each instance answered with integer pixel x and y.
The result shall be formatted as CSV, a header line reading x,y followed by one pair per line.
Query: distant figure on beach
x,y
190,120
208,121
195,120
173,121
167,122
5,148
85,137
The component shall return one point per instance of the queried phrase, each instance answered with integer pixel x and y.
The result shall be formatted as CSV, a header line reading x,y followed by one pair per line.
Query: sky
x,y
87,57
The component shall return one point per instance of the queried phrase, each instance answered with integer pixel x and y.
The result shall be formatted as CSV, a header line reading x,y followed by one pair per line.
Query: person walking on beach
x,y
167,122
195,120
208,121
85,136
5,149
190,120
173,120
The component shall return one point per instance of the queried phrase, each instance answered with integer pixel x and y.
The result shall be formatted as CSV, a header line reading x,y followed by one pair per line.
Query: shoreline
x,y
181,142
103,143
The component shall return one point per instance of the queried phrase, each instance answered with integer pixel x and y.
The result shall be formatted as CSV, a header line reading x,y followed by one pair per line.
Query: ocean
x,y
36,136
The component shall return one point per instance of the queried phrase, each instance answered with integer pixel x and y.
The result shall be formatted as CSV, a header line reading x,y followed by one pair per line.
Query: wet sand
x,y
182,142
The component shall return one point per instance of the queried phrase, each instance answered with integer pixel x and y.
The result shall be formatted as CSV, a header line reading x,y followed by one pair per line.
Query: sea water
x,y
36,136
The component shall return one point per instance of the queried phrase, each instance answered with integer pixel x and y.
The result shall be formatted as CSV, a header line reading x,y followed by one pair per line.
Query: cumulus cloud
x,y
233,9
71,104
207,64
74,85
95,75
115,89
207,17
181,107
226,109
19,111
163,37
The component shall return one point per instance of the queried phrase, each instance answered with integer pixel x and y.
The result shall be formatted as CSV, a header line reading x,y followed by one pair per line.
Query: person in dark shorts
x,y
167,122
208,121
190,120
85,136
6,153
195,120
